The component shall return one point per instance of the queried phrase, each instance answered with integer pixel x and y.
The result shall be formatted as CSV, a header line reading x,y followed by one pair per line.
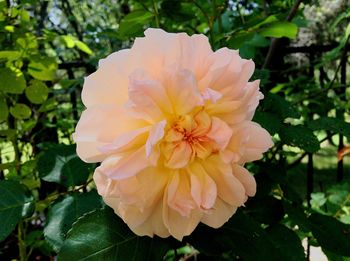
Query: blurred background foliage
x,y
48,205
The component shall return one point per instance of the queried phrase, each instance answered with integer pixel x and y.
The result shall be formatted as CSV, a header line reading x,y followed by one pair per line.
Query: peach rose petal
x,y
170,121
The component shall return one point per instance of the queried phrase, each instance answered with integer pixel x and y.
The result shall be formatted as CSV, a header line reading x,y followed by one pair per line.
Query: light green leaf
x,y
63,214
37,92
13,204
12,81
280,29
20,111
83,47
68,40
43,68
10,55
102,235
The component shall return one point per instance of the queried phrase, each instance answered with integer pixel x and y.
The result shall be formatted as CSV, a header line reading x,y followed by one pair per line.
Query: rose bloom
x,y
170,120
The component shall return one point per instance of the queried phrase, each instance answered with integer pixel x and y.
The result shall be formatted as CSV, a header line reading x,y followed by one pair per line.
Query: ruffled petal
x,y
101,125
229,187
247,180
203,188
219,214
116,167
109,84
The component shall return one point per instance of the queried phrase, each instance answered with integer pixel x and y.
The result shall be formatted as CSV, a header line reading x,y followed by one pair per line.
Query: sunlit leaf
x,y
11,81
37,92
20,111
43,68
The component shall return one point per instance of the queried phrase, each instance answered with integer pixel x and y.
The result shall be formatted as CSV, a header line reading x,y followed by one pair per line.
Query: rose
x,y
170,120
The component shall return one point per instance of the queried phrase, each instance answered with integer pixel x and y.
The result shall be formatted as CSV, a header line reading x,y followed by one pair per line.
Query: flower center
x,y
186,139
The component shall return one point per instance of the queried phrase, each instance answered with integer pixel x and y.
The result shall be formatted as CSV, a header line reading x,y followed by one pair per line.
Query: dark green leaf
x,y
331,234
63,214
20,111
238,233
13,205
102,235
11,81
287,242
4,111
278,105
299,136
268,121
133,23
331,124
267,210
61,165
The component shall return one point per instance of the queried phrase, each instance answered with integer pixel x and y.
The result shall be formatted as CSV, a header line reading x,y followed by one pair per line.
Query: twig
x,y
277,41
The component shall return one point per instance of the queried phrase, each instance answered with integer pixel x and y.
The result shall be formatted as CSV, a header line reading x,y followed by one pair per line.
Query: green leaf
x,y
68,40
20,111
266,209
10,55
287,242
37,92
132,24
268,121
280,29
11,81
13,205
61,165
278,105
4,111
241,235
299,136
83,47
102,235
63,214
43,69
331,124
331,234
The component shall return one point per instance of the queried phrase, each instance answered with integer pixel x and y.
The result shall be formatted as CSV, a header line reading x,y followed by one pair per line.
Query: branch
x,y
276,42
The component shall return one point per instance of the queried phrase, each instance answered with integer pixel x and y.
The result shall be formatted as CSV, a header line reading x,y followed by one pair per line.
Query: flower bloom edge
x,y
171,123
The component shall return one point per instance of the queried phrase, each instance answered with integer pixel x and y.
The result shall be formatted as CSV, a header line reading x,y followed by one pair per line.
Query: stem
x,y
21,243
155,9
240,13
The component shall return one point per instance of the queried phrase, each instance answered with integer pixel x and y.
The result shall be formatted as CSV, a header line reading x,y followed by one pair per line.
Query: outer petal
x,y
108,85
100,125
203,188
229,187
249,141
219,214
180,214
164,49
245,178
116,167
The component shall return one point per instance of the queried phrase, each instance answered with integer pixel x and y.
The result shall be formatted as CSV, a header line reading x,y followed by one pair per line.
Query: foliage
x,y
48,204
